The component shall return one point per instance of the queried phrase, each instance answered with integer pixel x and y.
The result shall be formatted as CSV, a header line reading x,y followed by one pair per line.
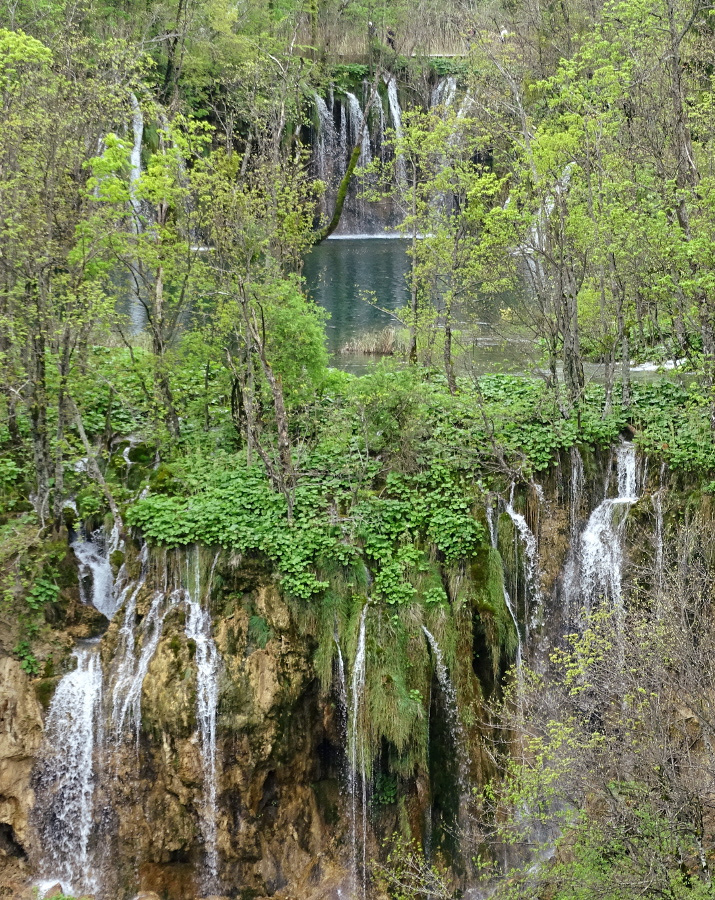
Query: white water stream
x,y
66,774
198,629
452,710
95,567
358,134
396,115
507,598
357,773
532,574
595,571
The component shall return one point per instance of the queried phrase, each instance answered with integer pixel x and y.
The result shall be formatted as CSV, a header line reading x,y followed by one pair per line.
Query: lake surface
x,y
360,280
351,278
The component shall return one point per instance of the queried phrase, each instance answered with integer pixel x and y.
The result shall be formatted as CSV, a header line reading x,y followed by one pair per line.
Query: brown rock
x,y
20,739
55,891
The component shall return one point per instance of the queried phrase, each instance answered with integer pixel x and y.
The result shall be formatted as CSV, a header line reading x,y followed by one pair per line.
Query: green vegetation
x,y
164,370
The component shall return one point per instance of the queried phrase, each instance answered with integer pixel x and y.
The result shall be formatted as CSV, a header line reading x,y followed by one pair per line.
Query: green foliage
x,y
43,591
28,662
384,790
407,875
259,632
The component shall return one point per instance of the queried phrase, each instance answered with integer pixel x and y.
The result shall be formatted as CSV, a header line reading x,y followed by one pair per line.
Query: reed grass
x,y
387,342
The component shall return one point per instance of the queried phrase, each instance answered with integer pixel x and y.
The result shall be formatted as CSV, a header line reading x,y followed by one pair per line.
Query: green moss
x,y
44,691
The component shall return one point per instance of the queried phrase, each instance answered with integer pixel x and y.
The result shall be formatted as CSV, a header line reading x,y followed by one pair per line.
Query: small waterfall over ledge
x,y
67,770
66,775
490,512
593,572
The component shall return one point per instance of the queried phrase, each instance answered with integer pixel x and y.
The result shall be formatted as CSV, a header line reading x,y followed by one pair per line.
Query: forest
x,y
416,606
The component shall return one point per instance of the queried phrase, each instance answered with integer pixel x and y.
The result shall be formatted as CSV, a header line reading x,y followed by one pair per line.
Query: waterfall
x,y
65,777
325,144
198,629
597,564
342,685
531,557
131,671
444,92
396,115
358,134
465,106
135,159
507,598
357,773
450,702
95,567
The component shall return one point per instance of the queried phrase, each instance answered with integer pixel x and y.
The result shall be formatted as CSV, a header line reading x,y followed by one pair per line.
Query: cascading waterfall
x,y
132,669
450,703
135,159
531,558
396,115
95,567
357,773
444,92
198,629
596,570
358,134
325,144
507,598
66,774
342,685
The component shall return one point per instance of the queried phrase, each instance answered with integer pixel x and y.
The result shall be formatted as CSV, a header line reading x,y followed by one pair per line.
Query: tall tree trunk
x,y
165,394
58,490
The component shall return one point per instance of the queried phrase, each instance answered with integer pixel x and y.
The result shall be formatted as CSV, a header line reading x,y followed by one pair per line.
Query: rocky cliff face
x,y
274,792
282,811
20,739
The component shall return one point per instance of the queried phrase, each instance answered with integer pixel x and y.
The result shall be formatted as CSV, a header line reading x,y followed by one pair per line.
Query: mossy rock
x,y
162,480
45,690
142,454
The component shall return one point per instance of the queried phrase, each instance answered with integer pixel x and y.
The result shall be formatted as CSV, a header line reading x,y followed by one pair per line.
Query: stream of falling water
x,y
531,560
450,703
358,134
597,568
94,566
198,629
507,598
396,114
65,777
357,774
132,668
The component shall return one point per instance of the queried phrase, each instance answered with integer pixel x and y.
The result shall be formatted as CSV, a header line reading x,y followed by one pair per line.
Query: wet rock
x,y
55,891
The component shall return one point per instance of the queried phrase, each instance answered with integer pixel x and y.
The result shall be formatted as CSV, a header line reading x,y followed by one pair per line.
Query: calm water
x,y
351,278
359,280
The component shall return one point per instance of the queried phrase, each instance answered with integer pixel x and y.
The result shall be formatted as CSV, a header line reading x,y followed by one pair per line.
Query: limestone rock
x,y
20,739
